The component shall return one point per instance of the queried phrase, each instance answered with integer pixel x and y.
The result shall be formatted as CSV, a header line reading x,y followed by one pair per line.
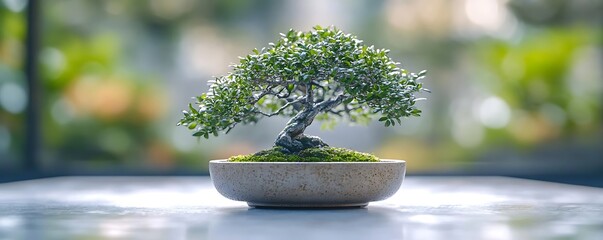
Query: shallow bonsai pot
x,y
307,184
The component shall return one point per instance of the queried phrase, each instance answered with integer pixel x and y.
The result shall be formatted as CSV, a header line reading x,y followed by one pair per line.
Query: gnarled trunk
x,y
293,139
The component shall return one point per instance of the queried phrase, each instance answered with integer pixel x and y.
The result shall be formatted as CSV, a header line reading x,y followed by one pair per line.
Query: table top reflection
x,y
190,208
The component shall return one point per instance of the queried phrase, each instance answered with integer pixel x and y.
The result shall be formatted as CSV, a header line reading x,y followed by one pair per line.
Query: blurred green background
x,y
516,85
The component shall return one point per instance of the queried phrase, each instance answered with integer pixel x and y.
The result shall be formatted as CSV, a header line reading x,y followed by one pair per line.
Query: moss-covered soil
x,y
325,154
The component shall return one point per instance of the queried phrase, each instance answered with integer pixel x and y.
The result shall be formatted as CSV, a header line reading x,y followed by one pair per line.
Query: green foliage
x,y
327,154
532,77
301,70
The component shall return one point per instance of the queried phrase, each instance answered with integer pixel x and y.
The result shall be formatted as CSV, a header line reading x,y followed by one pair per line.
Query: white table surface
x,y
190,208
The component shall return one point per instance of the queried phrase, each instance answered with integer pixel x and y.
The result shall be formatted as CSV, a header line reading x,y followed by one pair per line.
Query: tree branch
x,y
338,113
323,90
275,82
327,105
301,99
231,127
309,95
285,95
315,83
345,110
261,95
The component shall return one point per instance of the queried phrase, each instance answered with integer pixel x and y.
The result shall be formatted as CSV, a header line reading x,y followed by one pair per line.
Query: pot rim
x,y
382,161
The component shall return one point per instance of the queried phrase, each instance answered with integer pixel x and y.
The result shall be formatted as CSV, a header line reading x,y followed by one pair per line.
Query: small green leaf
x,y
193,110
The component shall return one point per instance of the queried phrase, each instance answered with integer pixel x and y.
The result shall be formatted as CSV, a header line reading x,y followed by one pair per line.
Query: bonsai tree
x,y
322,74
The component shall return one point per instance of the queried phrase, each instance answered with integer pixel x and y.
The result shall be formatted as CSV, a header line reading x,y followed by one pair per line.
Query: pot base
x,y
318,185
302,205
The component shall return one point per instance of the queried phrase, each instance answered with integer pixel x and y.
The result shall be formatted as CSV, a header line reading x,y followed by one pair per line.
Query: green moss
x,y
326,154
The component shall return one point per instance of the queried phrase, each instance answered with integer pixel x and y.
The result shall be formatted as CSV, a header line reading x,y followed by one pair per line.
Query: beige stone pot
x,y
303,184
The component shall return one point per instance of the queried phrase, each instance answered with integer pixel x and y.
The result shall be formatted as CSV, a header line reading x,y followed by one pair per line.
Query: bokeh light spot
x,y
15,5
494,113
467,133
53,60
484,13
13,98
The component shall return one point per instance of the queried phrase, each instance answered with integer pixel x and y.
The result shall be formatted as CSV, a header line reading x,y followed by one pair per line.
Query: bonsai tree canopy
x,y
322,74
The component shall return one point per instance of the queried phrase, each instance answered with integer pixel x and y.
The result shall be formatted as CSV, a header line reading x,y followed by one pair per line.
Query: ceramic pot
x,y
307,184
